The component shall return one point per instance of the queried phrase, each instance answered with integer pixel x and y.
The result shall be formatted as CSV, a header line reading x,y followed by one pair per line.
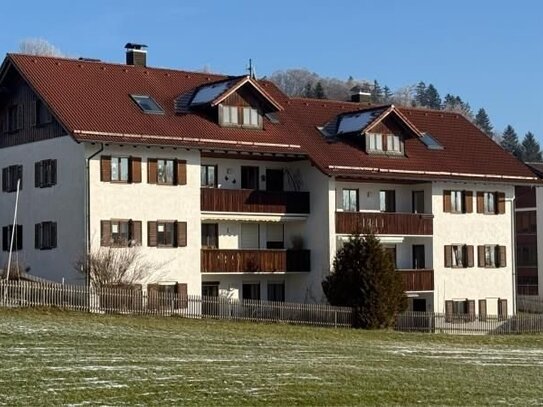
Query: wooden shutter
x,y
448,311
481,256
181,233
19,237
468,201
53,169
503,258
37,174
135,169
105,168
502,308
152,177
135,231
470,256
20,116
448,256
53,235
182,295
105,233
181,172
500,196
152,234
33,113
5,176
447,201
37,236
19,176
480,202
471,309
5,238
482,310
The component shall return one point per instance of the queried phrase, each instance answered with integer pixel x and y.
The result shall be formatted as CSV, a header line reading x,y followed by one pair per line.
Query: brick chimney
x,y
136,54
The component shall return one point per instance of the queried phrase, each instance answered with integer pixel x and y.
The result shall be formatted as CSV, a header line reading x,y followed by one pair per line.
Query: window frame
x,y
42,115
116,238
492,256
462,250
489,210
387,200
171,233
204,175
47,235
12,118
357,200
118,160
7,231
276,291
158,175
210,240
10,175
374,143
458,197
140,99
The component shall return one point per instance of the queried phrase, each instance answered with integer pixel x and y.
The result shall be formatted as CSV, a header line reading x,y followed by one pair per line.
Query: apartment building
x,y
231,188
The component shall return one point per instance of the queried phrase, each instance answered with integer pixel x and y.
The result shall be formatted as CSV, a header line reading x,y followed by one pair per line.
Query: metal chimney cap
x,y
133,45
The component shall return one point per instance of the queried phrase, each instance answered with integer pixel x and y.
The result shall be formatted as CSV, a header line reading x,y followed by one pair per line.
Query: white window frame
x,y
117,164
394,144
489,202
458,258
230,115
457,201
491,256
347,204
374,142
251,117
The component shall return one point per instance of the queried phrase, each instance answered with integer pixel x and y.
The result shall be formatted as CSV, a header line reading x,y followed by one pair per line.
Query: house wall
x,y
539,217
475,229
151,202
62,203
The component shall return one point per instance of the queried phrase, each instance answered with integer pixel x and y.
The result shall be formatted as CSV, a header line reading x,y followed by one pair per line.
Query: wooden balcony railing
x,y
252,261
248,200
385,223
418,279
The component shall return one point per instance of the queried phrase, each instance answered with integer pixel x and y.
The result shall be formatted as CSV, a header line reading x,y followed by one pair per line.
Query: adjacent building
x,y
231,188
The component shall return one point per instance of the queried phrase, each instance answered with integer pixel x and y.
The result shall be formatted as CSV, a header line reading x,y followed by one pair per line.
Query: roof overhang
x,y
254,84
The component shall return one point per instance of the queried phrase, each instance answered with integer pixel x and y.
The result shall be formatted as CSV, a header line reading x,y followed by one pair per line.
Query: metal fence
x,y
530,303
133,300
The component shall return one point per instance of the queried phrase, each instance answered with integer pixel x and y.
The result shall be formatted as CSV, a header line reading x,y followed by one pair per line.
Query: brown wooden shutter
x,y
181,172
470,256
33,112
501,202
471,309
53,235
105,168
105,233
19,177
20,116
503,258
480,202
481,256
448,256
5,177
135,169
53,172
19,237
502,308
448,311
182,295
37,174
152,234
181,233
152,296
482,310
468,201
152,176
37,236
135,231
447,201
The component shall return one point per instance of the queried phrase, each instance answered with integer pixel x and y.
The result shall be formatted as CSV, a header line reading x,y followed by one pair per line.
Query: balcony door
x,y
250,236
210,236
387,200
418,256
249,177
418,201
275,236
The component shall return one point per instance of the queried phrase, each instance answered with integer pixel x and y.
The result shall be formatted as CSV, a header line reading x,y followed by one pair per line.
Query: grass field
x,y
55,358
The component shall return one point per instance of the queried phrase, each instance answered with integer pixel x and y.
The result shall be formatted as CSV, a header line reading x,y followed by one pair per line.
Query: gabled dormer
x,y
238,102
379,130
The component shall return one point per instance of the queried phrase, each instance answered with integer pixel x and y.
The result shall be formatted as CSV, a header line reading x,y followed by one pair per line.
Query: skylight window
x,y
147,104
430,142
355,122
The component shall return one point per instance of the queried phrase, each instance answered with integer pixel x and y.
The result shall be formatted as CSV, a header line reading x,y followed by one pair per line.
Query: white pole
x,y
13,231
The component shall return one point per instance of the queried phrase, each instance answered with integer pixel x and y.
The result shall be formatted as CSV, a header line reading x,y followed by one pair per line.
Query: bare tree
x,y
116,266
404,96
39,46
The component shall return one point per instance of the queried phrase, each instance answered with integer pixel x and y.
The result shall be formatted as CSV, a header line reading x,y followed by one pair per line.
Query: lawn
x,y
55,358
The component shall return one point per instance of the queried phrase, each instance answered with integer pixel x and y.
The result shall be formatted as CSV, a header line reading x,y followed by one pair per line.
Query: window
x,y
276,291
387,201
350,200
458,256
430,142
489,202
165,233
45,174
45,237
457,201
41,113
250,291
275,236
209,176
229,115
7,231
374,141
210,236
13,118
251,117
119,169
249,177
419,261
249,236
460,307
527,255
391,251
418,201
525,222
120,232
147,104
394,143
165,172
10,176
491,256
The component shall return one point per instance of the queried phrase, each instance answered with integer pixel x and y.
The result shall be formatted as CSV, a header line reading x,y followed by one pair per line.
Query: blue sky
x,y
488,52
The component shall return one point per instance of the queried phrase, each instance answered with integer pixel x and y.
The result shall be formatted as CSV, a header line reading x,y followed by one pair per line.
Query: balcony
x,y
254,261
418,279
248,200
385,223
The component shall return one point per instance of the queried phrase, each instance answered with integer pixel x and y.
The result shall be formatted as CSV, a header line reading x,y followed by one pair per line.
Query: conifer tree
x,y
308,90
319,91
432,98
387,95
483,122
420,94
531,151
510,142
364,278
376,93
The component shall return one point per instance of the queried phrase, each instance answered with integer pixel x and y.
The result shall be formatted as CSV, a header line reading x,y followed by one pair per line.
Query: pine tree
x,y
420,94
364,278
308,90
483,122
510,142
432,98
387,95
319,91
376,93
531,151
449,102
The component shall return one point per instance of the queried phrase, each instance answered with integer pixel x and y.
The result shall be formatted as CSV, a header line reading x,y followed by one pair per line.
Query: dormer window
x,y
384,143
230,115
374,142
147,104
250,117
394,143
239,116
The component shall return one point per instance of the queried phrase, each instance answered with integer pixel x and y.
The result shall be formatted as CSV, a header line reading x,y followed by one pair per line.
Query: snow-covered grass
x,y
56,358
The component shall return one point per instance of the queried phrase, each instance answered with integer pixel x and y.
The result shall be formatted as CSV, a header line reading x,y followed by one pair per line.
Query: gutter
x,y
87,208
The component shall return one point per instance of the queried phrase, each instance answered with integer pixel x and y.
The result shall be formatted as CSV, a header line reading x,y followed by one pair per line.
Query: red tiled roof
x,y
91,99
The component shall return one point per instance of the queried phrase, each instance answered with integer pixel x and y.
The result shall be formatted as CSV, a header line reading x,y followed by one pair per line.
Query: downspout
x,y
87,210
514,252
